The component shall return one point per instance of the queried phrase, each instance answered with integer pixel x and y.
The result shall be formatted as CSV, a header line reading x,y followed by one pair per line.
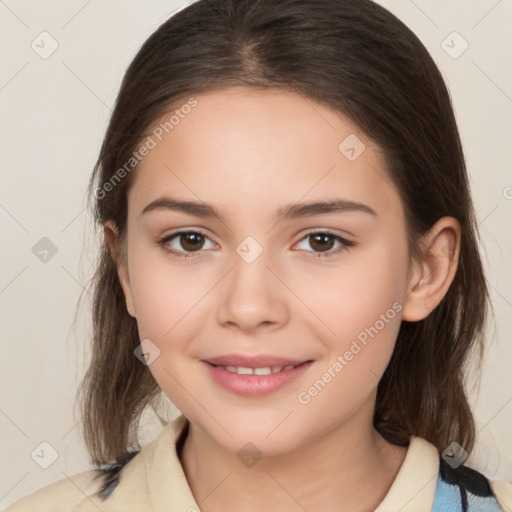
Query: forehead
x,y
251,148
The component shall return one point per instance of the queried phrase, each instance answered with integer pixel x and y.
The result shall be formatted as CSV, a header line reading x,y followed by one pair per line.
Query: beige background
x,y
54,113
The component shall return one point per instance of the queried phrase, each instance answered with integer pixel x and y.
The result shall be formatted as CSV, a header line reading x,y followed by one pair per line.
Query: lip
x,y
257,361
254,386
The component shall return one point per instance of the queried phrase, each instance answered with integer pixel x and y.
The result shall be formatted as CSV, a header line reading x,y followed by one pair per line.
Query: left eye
x,y
323,241
193,241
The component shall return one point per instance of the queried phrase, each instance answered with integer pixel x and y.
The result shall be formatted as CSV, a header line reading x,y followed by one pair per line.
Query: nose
x,y
252,293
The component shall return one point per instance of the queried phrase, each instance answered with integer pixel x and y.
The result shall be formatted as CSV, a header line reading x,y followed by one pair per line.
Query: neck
x,y
348,468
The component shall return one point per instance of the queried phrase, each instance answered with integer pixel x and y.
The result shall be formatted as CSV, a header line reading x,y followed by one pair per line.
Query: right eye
x,y
192,241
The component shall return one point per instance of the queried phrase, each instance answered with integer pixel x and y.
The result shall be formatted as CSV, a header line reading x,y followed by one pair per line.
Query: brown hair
x,y
359,59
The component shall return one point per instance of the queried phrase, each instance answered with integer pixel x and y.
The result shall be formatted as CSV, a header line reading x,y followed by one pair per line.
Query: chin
x,y
248,432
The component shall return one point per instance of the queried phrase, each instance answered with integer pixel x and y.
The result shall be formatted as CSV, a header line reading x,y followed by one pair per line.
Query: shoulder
x,y
82,491
472,489
64,494
123,485
503,492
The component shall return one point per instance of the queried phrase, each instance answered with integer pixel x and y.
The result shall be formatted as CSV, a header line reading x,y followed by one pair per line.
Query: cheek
x,y
361,305
358,353
365,317
351,296
167,303
164,294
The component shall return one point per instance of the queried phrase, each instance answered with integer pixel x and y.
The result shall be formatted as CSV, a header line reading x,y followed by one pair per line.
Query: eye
x,y
192,241
323,241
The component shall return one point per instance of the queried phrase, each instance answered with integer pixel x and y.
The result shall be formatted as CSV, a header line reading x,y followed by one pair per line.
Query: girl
x,y
290,256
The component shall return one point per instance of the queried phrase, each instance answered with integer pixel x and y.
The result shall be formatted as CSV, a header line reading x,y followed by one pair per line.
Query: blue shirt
x,y
463,489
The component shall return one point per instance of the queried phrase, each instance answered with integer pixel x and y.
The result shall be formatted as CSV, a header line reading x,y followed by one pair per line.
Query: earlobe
x,y
433,275
111,237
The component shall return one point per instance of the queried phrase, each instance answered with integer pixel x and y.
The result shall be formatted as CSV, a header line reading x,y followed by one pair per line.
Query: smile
x,y
266,370
255,382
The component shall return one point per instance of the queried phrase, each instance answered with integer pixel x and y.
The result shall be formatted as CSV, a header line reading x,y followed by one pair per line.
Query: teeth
x,y
263,371
267,370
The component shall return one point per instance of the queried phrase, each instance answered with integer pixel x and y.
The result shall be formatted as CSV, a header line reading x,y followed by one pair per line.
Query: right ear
x,y
111,237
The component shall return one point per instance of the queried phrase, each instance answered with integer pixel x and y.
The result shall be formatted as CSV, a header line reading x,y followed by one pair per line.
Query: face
x,y
270,283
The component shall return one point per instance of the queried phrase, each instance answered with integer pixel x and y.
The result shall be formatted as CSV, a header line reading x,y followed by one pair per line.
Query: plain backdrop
x,y
54,110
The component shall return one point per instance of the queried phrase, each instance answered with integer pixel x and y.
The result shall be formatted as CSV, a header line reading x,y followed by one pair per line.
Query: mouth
x,y
262,370
257,378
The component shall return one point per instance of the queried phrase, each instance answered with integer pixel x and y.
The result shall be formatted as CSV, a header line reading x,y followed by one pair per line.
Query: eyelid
x,y
327,231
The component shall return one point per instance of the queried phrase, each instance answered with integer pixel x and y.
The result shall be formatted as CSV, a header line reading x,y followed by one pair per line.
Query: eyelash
x,y
182,254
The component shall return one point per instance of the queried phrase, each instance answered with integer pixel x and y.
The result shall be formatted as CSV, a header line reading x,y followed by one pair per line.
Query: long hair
x,y
352,56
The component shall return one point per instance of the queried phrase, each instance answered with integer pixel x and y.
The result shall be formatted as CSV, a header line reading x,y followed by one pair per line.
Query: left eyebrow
x,y
287,212
294,211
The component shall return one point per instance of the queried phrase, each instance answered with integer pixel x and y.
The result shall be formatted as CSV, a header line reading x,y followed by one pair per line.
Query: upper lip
x,y
257,361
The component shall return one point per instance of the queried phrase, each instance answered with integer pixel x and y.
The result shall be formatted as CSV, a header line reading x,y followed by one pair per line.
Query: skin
x,y
249,152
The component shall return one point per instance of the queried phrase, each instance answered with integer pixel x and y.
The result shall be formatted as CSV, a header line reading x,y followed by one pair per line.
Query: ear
x,y
432,276
112,238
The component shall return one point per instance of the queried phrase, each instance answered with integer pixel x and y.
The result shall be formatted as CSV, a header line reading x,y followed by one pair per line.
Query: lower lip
x,y
255,385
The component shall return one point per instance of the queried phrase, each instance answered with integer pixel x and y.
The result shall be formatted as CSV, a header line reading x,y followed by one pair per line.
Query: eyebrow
x,y
287,212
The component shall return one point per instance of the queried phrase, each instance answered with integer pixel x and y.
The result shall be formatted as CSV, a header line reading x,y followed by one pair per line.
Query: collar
x,y
155,480
414,487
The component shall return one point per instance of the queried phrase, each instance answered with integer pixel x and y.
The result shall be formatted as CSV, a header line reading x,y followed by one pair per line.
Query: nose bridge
x,y
252,232
253,294
251,263
250,249
261,245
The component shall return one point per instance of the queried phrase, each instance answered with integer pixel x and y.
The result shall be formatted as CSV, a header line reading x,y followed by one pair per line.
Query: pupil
x,y
322,237
192,246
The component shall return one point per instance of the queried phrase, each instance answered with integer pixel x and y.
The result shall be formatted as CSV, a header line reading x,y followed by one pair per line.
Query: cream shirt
x,y
154,481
